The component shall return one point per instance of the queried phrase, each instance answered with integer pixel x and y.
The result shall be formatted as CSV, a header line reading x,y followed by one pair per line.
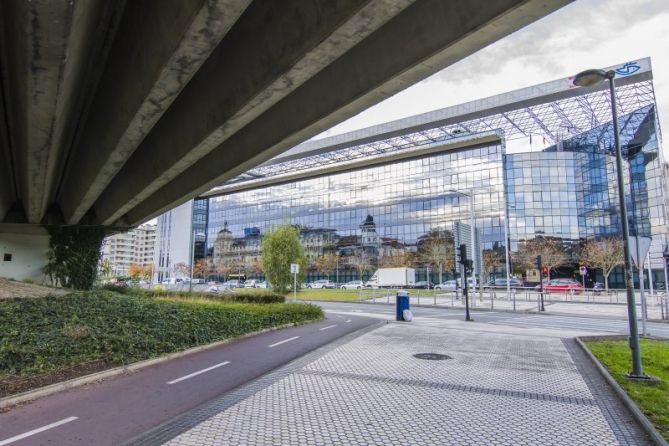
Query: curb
x,y
121,370
639,416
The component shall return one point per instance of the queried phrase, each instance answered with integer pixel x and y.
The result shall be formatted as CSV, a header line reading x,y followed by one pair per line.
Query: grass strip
x,y
652,398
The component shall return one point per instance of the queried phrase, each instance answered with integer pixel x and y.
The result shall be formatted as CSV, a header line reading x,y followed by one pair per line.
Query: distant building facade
x,y
173,238
535,162
133,247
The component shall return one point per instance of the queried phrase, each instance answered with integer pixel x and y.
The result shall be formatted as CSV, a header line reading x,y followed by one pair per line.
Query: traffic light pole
x,y
464,262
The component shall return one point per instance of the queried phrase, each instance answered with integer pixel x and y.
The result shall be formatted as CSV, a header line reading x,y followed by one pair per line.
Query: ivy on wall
x,y
74,252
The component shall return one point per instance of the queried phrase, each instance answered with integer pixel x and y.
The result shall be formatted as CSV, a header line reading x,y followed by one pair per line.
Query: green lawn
x,y
45,335
326,294
652,399
350,295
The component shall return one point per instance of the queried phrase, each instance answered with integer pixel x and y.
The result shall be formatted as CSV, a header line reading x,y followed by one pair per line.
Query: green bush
x,y
240,297
51,333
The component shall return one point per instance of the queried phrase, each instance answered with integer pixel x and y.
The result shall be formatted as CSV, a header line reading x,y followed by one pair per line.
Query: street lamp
x,y
590,78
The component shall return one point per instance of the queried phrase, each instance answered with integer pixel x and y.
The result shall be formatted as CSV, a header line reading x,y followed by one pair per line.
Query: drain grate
x,y
431,356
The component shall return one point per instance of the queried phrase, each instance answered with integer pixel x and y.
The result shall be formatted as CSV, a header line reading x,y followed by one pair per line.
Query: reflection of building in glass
x,y
379,191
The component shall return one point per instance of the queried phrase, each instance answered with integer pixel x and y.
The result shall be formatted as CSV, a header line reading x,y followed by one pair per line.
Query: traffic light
x,y
545,270
538,262
462,254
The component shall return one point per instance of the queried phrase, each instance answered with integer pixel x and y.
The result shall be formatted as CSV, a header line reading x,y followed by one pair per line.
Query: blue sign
x,y
628,68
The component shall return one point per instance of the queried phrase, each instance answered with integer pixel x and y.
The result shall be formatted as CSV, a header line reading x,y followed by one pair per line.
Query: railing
x,y
526,299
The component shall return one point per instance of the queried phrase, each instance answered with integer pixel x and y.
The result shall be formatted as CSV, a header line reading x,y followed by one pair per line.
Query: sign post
x,y
295,270
583,270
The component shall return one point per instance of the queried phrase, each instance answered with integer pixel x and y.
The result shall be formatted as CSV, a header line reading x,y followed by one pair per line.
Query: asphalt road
x,y
118,409
518,319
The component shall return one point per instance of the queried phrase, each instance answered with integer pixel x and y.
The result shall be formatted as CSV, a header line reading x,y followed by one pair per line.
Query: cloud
x,y
547,44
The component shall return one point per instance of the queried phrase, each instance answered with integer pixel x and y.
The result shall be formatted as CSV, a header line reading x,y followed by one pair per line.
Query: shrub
x,y
52,333
241,297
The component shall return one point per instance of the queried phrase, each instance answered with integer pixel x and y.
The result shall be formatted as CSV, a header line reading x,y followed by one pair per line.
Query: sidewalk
x,y
503,385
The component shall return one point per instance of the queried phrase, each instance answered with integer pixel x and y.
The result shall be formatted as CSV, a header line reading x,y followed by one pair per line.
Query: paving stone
x,y
498,389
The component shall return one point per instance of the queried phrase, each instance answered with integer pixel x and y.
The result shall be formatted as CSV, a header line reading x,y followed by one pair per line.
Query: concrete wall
x,y
28,256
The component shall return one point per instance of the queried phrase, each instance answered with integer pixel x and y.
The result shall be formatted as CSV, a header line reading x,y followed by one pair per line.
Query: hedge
x,y
50,333
234,296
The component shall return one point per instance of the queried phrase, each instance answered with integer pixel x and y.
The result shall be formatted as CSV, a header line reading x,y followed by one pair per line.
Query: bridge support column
x,y
57,255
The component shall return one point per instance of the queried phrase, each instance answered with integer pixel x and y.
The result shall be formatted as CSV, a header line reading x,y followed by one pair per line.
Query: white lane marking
x,y
174,381
329,326
37,431
283,342
348,320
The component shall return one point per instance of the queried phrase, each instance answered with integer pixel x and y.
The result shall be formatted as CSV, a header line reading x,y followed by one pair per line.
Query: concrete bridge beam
x,y
428,36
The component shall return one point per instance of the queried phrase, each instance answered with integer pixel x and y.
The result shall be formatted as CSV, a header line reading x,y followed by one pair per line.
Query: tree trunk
x,y
606,280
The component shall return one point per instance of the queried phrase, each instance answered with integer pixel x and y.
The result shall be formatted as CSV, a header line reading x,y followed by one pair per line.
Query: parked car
x,y
449,285
501,284
423,285
598,287
251,283
562,286
353,285
234,283
321,284
263,284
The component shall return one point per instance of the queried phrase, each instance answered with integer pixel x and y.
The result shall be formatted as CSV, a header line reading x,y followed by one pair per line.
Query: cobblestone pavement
x,y
497,389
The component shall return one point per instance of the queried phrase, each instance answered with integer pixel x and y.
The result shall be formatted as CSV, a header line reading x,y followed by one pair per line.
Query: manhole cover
x,y
432,356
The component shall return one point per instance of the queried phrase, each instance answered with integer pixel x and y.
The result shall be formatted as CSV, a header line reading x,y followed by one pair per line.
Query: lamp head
x,y
588,78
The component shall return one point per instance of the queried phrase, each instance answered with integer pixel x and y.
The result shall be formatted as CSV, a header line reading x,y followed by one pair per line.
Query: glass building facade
x,y
380,192
406,200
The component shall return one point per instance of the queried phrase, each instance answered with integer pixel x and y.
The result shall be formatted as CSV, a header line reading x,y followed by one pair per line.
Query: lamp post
x,y
590,78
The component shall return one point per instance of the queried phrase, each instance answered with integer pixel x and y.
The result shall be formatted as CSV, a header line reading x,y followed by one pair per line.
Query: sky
x,y
584,34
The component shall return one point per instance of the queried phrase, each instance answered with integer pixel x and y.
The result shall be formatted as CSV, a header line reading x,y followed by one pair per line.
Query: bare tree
x,y
361,262
397,260
200,267
605,254
438,250
553,254
493,259
326,263
182,269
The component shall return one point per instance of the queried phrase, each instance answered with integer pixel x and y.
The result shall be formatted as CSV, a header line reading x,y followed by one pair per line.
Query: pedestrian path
x,y
490,387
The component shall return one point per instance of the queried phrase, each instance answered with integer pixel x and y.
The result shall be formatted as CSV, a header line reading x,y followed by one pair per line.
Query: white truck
x,y
393,277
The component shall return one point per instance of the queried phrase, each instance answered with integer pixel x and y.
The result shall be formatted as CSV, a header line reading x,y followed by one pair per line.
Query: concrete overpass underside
x,y
113,111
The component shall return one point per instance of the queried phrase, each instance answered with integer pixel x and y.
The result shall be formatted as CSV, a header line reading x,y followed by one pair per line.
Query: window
x,y
7,257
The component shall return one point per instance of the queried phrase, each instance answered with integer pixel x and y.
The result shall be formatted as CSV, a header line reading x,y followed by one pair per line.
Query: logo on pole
x,y
583,270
